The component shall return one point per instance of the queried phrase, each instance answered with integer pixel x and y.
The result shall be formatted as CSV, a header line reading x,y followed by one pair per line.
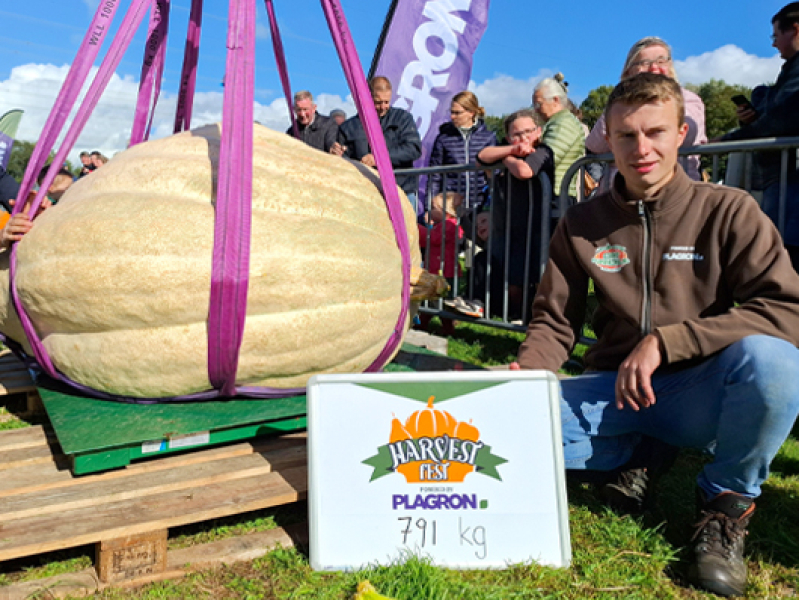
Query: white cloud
x,y
730,63
503,94
33,88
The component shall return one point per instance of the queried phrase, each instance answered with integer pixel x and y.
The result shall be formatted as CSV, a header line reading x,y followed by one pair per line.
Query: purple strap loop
x,y
227,309
152,71
362,96
188,76
277,45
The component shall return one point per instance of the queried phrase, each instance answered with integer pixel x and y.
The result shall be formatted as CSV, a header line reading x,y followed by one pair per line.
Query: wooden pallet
x,y
126,513
15,379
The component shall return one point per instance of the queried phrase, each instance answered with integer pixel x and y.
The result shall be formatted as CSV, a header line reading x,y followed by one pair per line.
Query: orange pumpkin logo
x,y
432,446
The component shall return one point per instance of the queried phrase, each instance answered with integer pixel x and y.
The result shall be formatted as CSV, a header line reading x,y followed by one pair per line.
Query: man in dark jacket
x,y
697,326
775,113
315,130
399,129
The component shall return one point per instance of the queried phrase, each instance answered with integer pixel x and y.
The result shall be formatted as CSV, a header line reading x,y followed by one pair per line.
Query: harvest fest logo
x,y
611,259
433,446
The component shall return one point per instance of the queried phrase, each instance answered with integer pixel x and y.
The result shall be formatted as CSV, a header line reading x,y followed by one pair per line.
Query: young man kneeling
x,y
697,327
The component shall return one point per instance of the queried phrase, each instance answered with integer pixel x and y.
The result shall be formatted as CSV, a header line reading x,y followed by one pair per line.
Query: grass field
x,y
613,556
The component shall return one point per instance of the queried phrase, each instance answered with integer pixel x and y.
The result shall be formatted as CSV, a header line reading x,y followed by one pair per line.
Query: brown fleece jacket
x,y
699,264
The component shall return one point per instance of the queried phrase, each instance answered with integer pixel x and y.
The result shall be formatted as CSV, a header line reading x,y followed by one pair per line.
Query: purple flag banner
x,y
6,142
437,63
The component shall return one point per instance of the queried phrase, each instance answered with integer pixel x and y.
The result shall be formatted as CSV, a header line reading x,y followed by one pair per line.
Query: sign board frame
x,y
474,478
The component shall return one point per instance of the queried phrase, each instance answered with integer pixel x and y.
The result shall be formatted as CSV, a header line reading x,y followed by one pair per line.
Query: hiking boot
x,y
630,493
631,490
719,565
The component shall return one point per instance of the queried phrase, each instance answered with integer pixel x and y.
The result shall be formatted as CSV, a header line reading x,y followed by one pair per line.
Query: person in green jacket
x,y
562,131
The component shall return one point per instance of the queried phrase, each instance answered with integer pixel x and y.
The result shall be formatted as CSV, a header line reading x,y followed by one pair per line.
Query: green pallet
x,y
98,435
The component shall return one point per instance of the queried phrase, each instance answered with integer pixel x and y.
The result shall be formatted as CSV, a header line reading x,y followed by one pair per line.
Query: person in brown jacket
x,y
697,327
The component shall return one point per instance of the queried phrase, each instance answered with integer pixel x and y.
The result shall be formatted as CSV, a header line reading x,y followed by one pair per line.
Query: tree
x,y
719,111
20,155
495,124
594,104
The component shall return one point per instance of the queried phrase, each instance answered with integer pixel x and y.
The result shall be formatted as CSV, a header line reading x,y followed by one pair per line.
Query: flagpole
x,y
382,40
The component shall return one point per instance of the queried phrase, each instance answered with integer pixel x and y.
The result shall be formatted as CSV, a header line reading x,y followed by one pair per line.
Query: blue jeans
x,y
771,201
740,403
412,199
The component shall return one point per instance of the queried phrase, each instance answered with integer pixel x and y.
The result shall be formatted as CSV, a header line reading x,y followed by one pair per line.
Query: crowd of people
x,y
698,295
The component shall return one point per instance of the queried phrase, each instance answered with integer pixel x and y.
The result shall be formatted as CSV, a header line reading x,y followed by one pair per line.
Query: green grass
x,y
614,556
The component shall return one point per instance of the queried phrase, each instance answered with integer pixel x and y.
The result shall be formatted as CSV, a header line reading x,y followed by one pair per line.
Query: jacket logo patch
x,y
611,258
687,253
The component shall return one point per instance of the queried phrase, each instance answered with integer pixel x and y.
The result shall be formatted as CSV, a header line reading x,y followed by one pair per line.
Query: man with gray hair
x,y
315,130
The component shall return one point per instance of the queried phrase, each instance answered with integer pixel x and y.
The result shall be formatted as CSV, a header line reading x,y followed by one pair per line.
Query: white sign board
x,y
464,468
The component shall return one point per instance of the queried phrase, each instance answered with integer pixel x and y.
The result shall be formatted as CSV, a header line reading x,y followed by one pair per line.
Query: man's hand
x,y
337,149
20,224
745,114
16,227
369,160
634,379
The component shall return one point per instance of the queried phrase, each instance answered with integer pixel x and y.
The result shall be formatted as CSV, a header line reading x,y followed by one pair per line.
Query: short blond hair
x,y
379,84
454,201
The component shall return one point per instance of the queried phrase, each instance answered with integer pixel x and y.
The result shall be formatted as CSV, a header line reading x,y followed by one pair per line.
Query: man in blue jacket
x,y
399,129
775,113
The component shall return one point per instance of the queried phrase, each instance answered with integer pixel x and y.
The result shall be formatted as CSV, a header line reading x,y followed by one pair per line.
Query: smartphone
x,y
743,101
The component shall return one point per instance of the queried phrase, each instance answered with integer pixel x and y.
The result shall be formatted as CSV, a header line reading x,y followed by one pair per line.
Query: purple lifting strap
x,y
360,90
277,45
152,72
227,309
188,76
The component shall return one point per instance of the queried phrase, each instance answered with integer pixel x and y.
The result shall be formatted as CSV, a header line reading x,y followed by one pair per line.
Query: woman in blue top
x,y
458,142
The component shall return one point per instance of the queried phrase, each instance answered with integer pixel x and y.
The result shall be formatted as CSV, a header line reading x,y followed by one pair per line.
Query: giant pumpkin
x,y
116,277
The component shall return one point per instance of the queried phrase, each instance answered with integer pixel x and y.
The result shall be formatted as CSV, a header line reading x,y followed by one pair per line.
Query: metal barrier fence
x,y
744,150
490,278
494,247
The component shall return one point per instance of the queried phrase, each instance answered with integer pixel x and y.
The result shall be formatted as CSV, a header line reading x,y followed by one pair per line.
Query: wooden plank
x,y
27,437
43,476
138,485
36,455
33,535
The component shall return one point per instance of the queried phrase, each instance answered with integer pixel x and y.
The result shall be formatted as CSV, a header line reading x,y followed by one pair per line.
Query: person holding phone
x,y
774,112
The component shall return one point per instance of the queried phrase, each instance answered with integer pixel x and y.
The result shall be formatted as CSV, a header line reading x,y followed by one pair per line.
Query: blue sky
x,y
525,41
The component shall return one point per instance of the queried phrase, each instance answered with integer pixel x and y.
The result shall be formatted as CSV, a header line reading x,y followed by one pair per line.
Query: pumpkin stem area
x,y
430,401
